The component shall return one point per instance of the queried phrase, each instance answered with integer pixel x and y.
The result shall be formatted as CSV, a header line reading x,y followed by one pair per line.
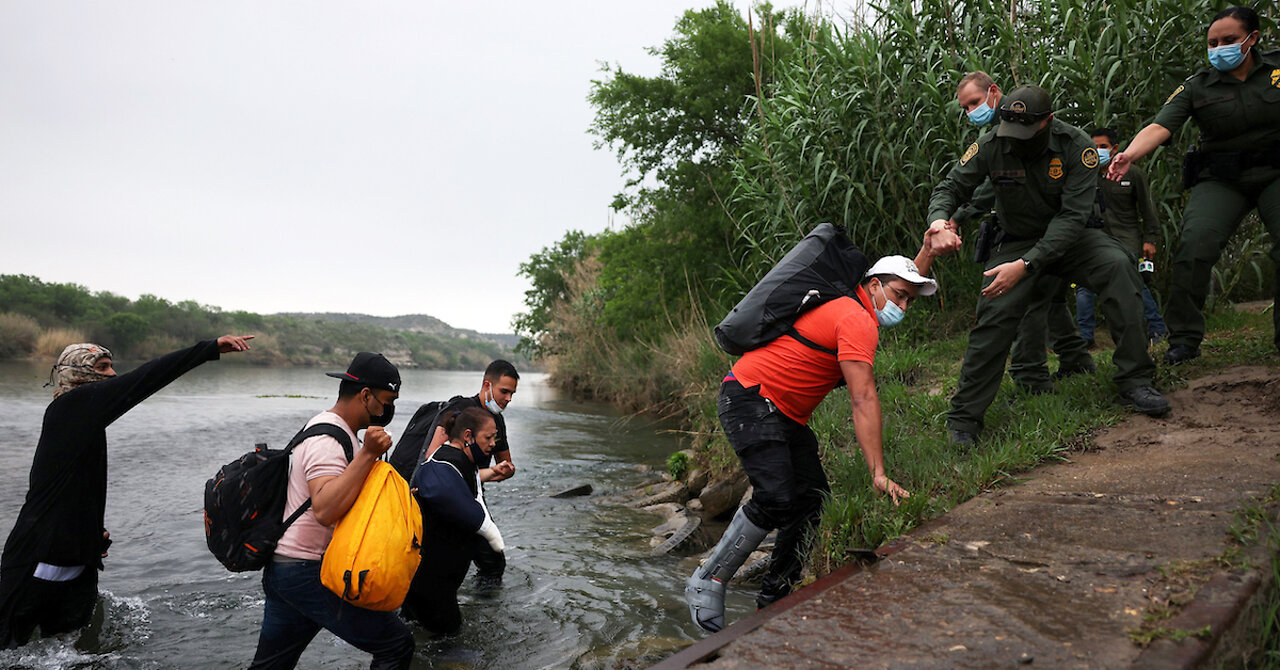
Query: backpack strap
x,y
795,335
318,429
436,422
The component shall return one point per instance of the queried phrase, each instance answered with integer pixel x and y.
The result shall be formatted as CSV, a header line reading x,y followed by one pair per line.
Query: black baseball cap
x,y
372,370
1022,110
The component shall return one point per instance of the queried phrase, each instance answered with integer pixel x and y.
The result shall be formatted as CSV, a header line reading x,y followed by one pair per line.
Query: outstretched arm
x,y
867,425
1143,143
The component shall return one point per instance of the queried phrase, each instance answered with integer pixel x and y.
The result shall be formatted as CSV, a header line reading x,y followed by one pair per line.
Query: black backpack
x,y
244,503
822,267
411,450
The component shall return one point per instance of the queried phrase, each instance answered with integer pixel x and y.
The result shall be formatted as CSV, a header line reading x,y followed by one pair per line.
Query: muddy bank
x,y
1122,557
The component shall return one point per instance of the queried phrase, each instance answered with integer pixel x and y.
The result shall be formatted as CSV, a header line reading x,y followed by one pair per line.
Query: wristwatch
x,y
1026,264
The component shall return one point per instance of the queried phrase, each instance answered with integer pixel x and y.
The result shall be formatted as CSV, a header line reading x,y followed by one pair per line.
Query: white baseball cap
x,y
903,268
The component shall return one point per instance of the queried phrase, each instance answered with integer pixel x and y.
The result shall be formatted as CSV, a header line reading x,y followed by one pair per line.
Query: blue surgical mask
x,y
1227,57
1104,156
891,314
982,114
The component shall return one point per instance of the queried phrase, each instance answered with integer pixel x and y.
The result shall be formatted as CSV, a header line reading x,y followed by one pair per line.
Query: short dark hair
x,y
884,279
1240,13
499,369
1109,133
471,418
347,389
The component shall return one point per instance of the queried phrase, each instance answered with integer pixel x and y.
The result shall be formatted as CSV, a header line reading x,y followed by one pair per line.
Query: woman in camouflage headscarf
x,y
80,364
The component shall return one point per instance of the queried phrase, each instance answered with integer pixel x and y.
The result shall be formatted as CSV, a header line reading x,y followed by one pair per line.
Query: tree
x,y
680,130
548,271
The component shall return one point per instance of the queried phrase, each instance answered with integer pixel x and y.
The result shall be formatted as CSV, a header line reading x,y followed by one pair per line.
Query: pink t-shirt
x,y
319,456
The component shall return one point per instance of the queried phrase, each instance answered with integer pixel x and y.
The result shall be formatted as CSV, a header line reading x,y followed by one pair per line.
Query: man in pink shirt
x,y
324,471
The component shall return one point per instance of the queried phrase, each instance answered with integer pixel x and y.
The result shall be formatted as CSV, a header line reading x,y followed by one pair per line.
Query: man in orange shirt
x,y
765,404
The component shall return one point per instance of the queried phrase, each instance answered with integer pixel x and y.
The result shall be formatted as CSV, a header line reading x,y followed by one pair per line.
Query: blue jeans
x,y
298,606
1085,319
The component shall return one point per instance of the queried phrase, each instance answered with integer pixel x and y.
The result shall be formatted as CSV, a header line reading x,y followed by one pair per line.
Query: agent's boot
x,y
704,590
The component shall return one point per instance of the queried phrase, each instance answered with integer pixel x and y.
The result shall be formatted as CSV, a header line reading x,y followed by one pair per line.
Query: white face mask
x,y
492,404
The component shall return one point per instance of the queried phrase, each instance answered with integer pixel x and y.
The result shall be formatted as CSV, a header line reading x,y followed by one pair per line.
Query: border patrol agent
x,y
1047,317
1045,177
1236,104
1129,216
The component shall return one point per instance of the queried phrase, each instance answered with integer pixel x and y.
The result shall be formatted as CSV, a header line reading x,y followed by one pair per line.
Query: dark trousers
x,y
298,606
780,457
1047,317
56,607
1214,211
490,564
1096,261
433,595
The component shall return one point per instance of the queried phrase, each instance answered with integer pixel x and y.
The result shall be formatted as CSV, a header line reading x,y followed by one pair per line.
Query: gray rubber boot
x,y
704,591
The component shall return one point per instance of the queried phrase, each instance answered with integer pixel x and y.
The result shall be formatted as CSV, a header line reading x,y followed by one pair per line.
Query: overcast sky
x,y
378,157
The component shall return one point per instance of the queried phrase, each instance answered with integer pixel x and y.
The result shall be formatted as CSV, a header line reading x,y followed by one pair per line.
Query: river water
x,y
581,589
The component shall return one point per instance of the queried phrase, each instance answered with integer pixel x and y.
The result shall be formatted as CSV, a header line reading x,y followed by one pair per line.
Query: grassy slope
x,y
915,383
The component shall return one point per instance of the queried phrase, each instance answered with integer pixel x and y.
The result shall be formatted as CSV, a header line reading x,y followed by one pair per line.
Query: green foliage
x,y
676,133
151,325
548,271
865,123
678,464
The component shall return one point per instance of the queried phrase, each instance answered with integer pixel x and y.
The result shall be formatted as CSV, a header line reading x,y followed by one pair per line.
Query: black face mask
x,y
477,454
1033,147
384,419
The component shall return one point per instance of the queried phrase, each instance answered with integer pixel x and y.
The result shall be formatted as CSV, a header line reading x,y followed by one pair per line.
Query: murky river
x,y
582,589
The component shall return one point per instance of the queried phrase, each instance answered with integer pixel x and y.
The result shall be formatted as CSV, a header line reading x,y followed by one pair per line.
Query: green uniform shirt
x,y
1129,214
977,208
1047,198
1233,115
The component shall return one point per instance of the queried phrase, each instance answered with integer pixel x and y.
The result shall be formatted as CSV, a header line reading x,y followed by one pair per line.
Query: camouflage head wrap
x,y
75,367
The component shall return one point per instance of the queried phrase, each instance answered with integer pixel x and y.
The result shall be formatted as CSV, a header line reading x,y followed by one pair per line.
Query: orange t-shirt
x,y
797,377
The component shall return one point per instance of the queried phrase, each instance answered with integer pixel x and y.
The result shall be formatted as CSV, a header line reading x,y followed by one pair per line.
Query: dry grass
x,y
52,341
18,335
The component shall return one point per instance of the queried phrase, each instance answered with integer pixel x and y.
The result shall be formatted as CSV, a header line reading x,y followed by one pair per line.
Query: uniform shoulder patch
x,y
1176,91
1089,157
1275,77
969,153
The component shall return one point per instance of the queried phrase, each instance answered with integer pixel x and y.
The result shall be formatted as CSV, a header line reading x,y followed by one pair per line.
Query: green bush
x,y
678,464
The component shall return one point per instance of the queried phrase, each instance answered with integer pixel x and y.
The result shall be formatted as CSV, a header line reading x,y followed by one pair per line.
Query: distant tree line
x,y
38,319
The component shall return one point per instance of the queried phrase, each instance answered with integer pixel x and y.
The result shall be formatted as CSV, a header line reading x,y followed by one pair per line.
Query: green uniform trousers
x,y
1096,261
1213,213
1047,316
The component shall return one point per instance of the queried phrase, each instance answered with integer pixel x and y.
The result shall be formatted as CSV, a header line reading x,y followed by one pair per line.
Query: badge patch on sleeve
x,y
969,153
1181,87
1275,77
1089,157
1055,168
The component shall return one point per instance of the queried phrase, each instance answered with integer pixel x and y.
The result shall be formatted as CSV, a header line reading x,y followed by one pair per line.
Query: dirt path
x,y
1059,570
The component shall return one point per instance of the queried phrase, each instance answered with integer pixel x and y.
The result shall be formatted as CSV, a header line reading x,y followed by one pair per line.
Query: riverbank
x,y
1150,548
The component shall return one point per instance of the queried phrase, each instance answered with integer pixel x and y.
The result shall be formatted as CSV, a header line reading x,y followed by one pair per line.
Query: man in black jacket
x,y
49,571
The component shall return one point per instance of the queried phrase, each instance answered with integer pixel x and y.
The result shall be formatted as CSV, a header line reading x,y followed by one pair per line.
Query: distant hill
x,y
414,323
37,319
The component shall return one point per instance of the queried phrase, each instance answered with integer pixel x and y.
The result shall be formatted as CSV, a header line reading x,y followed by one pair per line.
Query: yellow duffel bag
x,y
375,548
